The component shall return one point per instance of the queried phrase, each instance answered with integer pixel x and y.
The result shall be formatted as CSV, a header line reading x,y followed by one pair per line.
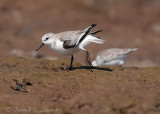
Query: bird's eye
x,y
47,38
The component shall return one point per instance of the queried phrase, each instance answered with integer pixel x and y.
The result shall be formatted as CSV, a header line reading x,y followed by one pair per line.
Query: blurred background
x,y
126,24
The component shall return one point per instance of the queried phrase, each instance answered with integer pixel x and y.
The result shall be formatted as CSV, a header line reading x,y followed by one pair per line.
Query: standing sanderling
x,y
70,42
112,57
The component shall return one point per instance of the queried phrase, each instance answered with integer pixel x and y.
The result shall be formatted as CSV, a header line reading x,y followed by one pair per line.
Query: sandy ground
x,y
43,86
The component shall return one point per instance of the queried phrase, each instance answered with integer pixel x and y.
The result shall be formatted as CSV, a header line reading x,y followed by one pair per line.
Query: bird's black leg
x,y
70,68
89,62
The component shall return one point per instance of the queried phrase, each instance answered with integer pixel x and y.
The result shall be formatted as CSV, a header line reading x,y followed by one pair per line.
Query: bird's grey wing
x,y
107,57
73,38
70,39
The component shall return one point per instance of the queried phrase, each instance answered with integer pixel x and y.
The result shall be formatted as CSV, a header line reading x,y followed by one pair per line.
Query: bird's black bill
x,y
42,44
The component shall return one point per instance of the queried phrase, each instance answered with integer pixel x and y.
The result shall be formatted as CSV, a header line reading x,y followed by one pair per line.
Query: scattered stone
x,y
21,85
27,82
155,107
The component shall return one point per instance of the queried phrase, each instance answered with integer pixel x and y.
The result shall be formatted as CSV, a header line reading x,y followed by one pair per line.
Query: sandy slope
x,y
44,86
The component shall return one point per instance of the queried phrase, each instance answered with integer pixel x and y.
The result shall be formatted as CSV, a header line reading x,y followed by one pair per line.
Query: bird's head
x,y
46,39
94,63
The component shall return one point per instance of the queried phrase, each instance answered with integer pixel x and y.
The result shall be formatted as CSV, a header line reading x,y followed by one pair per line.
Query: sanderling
x,y
70,42
112,57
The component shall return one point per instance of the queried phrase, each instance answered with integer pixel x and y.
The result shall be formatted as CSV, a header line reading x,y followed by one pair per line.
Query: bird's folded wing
x,y
111,57
70,38
73,38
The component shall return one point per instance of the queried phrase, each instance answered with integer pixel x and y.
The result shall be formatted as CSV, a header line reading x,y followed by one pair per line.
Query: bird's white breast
x,y
57,46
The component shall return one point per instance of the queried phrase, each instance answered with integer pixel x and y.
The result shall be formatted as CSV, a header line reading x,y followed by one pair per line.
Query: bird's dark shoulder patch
x,y
67,44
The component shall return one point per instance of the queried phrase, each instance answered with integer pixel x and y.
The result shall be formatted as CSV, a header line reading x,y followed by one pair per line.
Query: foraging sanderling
x,y
112,57
70,42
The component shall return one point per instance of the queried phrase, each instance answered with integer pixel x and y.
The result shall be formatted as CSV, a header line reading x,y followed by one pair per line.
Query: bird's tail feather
x,y
93,33
95,39
133,49
88,31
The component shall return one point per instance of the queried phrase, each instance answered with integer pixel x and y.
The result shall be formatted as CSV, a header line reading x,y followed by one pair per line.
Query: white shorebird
x,y
112,57
70,42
